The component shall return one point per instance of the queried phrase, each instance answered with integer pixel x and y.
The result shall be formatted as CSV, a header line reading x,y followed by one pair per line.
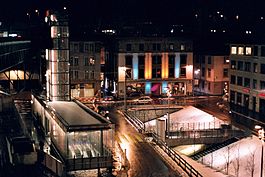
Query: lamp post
x,y
261,137
168,116
125,96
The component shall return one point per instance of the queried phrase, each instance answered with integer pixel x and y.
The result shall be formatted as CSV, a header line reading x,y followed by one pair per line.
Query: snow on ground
x,y
241,158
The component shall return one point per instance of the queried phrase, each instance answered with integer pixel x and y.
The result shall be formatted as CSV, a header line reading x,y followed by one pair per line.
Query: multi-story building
x,y
153,65
211,74
247,82
87,62
57,73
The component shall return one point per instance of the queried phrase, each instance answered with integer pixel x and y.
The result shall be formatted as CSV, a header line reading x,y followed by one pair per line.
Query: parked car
x,y
143,100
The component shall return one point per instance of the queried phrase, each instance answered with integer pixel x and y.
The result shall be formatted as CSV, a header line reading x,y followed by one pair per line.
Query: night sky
x,y
102,13
109,10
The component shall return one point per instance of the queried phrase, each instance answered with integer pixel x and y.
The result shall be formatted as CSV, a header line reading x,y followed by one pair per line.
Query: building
x,y
247,83
211,74
57,73
153,65
87,65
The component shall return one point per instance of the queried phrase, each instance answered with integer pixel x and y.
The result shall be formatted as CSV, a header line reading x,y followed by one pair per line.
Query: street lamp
x,y
124,68
168,116
261,137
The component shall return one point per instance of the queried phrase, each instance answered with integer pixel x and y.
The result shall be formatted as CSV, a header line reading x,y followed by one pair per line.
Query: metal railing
x,y
171,153
176,157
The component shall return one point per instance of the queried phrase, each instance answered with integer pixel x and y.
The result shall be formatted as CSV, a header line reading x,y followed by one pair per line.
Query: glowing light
x,y
135,67
189,149
147,87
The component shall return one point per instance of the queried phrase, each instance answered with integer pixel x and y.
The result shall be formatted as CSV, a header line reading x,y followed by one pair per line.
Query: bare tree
x,y
227,159
236,162
250,168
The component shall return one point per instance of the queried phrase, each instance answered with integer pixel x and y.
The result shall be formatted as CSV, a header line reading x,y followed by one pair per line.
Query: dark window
x,y
129,47
247,66
156,64
76,61
232,96
171,65
209,72
254,84
209,60
141,60
233,64
203,72
246,82
240,65
225,72
141,47
183,72
262,53
203,60
71,61
256,51
171,73
128,61
141,73
239,81
239,97
141,65
156,73
262,85
171,60
156,60
233,79
183,59
156,47
86,61
255,67
209,86
262,68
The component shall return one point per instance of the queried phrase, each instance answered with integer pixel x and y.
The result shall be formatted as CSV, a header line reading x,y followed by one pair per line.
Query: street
x,y
143,160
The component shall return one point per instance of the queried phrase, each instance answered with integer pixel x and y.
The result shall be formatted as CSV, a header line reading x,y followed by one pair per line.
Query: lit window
x,y
182,47
233,50
240,50
248,51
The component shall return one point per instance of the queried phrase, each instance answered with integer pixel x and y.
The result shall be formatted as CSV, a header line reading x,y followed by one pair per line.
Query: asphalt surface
x,y
143,160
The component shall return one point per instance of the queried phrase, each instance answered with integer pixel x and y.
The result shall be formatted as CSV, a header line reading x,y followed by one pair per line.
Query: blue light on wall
x,y
148,88
135,67
177,66
164,87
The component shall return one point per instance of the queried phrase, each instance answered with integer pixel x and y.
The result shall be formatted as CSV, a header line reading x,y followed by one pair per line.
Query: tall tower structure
x,y
57,74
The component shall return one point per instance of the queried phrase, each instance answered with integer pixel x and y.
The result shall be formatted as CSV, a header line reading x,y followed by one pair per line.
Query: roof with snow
x,y
190,114
75,116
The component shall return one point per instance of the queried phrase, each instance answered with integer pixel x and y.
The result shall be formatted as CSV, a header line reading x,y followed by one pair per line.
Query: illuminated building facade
x,y
57,75
87,65
247,81
154,64
211,74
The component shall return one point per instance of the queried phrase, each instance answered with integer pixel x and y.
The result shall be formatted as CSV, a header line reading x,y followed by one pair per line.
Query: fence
x,y
176,157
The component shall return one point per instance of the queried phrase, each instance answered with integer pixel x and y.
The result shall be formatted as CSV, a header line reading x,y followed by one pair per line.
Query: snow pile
x,y
241,158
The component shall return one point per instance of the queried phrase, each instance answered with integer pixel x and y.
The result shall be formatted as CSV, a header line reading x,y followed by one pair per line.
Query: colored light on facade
x,y
164,87
177,66
148,87
135,67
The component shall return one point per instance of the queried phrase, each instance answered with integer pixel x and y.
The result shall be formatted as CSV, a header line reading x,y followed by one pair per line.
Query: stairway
x,y
213,148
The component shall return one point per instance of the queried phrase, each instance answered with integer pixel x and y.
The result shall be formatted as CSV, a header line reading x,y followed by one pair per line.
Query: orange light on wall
x,y
148,66
164,65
